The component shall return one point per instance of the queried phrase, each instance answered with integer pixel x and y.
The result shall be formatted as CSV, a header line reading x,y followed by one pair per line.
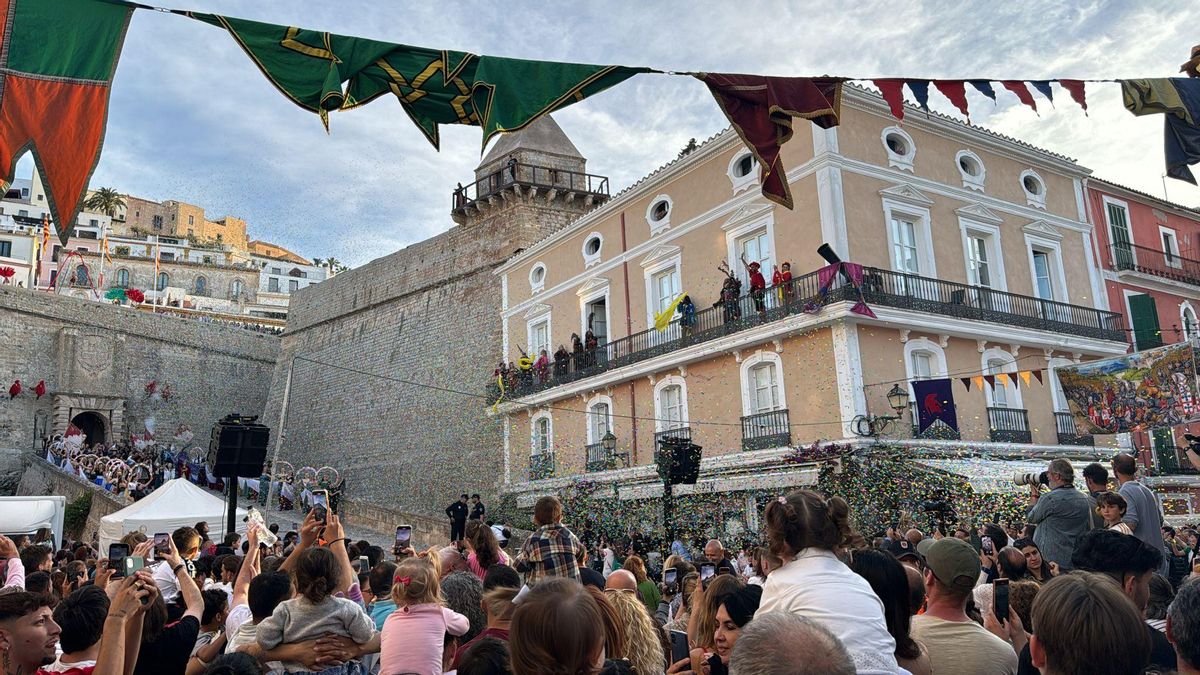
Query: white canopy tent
x,y
176,504
27,515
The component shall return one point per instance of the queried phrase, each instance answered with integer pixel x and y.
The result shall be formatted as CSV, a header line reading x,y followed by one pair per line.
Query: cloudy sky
x,y
192,119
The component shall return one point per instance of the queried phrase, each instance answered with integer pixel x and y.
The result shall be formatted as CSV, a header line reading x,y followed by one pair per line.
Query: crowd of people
x,y
1069,592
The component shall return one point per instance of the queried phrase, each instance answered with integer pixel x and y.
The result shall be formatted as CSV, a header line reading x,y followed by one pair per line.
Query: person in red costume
x,y
758,285
782,279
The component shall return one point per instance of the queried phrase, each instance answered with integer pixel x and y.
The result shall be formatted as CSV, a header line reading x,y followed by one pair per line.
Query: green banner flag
x,y
322,72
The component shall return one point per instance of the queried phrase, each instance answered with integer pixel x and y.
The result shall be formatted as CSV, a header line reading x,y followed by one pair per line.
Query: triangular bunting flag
x,y
966,382
1075,87
991,380
984,87
1038,374
956,91
1025,376
978,379
893,92
920,91
1018,87
1013,379
1043,86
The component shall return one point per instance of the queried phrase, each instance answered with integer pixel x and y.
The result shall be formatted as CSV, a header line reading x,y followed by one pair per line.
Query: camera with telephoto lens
x,y
938,504
1030,478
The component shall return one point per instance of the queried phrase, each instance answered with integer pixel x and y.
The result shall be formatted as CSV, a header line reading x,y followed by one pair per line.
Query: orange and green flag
x,y
57,60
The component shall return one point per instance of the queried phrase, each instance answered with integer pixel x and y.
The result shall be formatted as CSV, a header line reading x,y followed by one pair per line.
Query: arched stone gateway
x,y
94,426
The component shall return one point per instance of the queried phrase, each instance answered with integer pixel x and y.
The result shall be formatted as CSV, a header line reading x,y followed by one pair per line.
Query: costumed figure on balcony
x,y
731,290
576,351
782,281
758,285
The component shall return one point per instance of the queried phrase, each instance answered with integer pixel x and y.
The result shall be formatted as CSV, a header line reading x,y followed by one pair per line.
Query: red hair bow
x,y
403,580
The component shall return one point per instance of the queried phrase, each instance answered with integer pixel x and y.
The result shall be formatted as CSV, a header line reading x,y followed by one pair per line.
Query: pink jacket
x,y
412,638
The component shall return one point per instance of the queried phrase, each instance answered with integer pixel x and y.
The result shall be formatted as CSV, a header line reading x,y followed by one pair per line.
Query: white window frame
x,y
1171,257
995,250
741,183
659,411
1112,241
1057,272
592,296
734,234
657,226
536,286
532,324
533,440
968,181
1056,390
649,272
757,358
926,263
902,162
1010,366
593,259
593,402
1184,308
938,362
1035,200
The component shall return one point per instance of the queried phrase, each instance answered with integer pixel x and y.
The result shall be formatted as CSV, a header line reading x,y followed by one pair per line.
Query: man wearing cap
x,y
905,552
956,644
477,508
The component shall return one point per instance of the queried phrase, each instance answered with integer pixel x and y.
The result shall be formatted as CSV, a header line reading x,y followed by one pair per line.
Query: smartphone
x,y
321,505
707,571
985,542
679,646
364,564
133,563
162,544
403,535
1000,599
116,557
669,576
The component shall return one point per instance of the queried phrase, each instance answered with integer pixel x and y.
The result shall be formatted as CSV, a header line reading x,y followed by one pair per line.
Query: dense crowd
x,y
1070,592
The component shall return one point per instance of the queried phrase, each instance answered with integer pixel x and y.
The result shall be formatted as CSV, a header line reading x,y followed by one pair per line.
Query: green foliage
x,y
76,514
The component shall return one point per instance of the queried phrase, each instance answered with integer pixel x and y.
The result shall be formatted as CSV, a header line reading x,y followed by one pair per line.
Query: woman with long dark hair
x,y
890,582
484,548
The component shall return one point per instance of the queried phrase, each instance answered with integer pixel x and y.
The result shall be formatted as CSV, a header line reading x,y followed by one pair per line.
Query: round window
x,y
897,144
538,275
592,247
657,213
1032,185
969,165
744,166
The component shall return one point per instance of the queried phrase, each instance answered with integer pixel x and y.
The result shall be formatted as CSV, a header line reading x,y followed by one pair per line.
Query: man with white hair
x,y
783,643
1062,515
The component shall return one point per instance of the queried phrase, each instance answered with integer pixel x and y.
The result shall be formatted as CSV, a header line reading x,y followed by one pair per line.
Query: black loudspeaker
x,y
238,447
678,461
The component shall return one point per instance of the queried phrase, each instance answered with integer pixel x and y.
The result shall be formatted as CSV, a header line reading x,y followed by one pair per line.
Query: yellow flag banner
x,y
1025,376
663,318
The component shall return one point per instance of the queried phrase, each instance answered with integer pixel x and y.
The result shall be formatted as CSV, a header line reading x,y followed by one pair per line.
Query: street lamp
x,y
609,442
873,425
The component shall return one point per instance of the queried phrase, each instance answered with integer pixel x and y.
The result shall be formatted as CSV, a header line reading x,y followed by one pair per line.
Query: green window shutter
x,y
1164,451
1143,315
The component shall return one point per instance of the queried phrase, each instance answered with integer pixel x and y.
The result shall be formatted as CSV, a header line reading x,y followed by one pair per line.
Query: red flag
x,y
761,110
991,380
1018,87
966,382
893,93
1038,374
1075,87
956,91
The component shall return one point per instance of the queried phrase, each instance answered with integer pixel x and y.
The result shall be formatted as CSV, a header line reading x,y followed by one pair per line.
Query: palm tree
x,y
105,200
319,262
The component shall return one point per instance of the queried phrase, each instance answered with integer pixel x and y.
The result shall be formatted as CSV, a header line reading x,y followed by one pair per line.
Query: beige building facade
x,y
977,259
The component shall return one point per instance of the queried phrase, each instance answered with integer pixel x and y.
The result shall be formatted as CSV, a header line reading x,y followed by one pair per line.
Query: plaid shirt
x,y
551,551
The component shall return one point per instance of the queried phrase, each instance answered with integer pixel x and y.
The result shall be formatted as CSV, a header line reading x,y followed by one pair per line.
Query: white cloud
x,y
193,119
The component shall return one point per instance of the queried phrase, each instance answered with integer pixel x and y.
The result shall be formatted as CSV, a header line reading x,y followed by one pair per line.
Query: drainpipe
x,y
629,331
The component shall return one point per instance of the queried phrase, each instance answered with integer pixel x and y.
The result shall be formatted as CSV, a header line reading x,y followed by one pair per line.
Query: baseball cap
x,y
902,548
953,561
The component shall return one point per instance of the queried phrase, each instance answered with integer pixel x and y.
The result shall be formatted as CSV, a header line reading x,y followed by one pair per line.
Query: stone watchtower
x,y
427,314
534,178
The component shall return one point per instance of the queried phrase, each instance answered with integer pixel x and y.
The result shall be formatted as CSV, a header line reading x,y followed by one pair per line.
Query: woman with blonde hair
x,y
643,642
413,636
647,589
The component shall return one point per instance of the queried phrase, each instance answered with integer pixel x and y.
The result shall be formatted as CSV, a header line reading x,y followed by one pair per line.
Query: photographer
x,y
1062,515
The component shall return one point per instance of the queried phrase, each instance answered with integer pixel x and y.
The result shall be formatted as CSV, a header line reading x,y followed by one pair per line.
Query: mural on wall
x,y
1152,388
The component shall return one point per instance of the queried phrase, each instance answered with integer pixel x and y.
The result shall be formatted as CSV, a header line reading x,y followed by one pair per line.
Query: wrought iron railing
x,y
1009,425
939,430
766,430
1166,264
1068,433
680,433
530,175
541,466
599,459
803,295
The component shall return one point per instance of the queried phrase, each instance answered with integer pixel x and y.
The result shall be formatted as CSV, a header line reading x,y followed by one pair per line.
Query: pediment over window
x,y
593,284
979,212
660,253
537,309
1043,229
907,194
747,213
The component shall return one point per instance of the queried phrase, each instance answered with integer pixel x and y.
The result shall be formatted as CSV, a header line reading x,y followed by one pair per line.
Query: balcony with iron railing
x,y
1068,433
600,459
541,466
803,295
766,430
1163,264
678,433
548,178
1009,425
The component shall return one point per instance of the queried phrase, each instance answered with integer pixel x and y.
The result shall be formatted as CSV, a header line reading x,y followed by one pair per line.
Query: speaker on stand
x,y
237,448
678,461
